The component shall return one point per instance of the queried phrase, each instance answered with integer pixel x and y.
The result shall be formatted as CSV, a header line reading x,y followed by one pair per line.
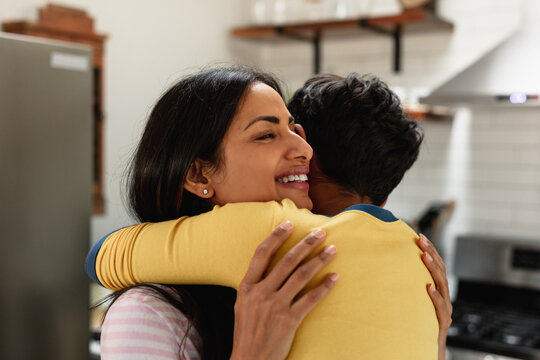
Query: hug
x,y
263,230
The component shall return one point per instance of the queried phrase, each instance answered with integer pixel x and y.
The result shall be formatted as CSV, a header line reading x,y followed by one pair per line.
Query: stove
x,y
497,308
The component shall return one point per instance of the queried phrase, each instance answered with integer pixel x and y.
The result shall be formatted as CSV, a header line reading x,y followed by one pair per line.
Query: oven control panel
x,y
525,259
498,260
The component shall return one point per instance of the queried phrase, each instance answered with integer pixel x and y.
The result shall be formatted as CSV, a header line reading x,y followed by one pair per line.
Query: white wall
x,y
488,160
151,43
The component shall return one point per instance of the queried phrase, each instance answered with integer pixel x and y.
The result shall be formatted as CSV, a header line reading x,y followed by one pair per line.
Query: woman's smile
x,y
264,158
295,178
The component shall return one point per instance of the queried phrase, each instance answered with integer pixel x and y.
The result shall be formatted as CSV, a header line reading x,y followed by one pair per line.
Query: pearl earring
x,y
205,192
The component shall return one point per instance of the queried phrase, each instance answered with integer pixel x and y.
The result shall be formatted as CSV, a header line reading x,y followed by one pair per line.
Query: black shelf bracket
x,y
396,33
315,41
317,52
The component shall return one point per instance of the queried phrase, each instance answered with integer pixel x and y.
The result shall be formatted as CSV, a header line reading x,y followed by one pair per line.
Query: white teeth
x,y
291,178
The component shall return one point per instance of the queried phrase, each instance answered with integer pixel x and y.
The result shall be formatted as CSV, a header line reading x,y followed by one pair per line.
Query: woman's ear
x,y
197,183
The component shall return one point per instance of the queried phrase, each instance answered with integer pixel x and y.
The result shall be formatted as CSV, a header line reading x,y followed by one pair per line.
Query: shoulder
x,y
247,208
261,215
142,323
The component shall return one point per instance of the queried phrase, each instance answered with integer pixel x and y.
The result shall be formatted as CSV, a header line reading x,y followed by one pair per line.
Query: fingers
x,y
308,301
288,263
306,272
435,265
262,317
444,312
427,246
264,253
439,293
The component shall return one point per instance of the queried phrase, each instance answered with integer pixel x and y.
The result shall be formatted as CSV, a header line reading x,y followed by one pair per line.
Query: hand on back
x,y
268,310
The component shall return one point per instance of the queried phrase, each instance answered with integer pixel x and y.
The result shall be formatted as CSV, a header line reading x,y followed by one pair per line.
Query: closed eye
x,y
266,136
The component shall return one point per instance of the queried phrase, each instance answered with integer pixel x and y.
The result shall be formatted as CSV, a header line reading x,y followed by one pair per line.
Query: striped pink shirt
x,y
141,325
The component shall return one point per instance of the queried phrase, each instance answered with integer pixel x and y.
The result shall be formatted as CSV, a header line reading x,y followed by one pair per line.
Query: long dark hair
x,y
188,123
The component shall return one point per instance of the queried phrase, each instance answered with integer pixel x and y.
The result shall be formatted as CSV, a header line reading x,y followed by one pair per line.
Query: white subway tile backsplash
x,y
497,157
528,216
494,213
376,44
504,178
488,160
494,195
508,138
415,43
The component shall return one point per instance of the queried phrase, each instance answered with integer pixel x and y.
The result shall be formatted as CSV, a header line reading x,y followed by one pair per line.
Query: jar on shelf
x,y
382,8
279,11
315,9
260,11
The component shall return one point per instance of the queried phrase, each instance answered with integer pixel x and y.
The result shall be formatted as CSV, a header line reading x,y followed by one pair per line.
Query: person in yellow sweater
x,y
363,146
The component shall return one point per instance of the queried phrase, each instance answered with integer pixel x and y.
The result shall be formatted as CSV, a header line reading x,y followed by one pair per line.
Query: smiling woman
x,y
271,147
220,136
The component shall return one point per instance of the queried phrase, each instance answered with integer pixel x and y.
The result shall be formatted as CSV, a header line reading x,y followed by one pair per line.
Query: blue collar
x,y
375,211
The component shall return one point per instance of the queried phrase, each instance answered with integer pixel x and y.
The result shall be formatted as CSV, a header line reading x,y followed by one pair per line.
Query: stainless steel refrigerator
x,y
45,195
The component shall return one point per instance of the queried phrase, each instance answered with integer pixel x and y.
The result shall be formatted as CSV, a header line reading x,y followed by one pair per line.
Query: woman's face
x,y
264,158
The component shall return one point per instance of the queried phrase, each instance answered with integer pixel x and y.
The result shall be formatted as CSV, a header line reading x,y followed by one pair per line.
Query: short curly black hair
x,y
359,132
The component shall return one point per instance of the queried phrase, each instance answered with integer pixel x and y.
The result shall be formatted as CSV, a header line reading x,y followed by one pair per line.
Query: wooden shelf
x,y
416,20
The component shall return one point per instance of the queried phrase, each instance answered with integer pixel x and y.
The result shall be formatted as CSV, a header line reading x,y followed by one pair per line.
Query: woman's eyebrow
x,y
272,119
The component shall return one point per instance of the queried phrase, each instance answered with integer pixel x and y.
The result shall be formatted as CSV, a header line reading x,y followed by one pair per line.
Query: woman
x,y
219,108
206,99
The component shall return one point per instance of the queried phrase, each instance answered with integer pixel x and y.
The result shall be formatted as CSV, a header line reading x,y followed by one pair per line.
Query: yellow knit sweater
x,y
379,309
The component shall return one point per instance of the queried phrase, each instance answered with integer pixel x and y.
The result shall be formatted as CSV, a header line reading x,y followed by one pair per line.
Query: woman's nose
x,y
299,148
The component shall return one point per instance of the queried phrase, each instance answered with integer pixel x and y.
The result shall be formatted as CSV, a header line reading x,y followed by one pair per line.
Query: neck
x,y
330,198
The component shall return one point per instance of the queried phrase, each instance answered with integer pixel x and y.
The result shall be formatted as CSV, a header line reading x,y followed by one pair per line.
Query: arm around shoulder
x,y
212,248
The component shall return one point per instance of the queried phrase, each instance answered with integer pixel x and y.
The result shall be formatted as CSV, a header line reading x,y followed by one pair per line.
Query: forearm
x,y
213,248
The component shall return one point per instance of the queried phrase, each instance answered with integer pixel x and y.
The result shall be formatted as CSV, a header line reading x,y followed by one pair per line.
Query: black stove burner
x,y
495,327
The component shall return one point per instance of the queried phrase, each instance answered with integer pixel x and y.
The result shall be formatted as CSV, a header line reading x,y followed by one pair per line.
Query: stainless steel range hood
x,y
510,69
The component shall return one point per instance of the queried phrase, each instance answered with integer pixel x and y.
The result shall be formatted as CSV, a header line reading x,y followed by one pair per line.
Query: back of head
x,y
187,123
358,131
